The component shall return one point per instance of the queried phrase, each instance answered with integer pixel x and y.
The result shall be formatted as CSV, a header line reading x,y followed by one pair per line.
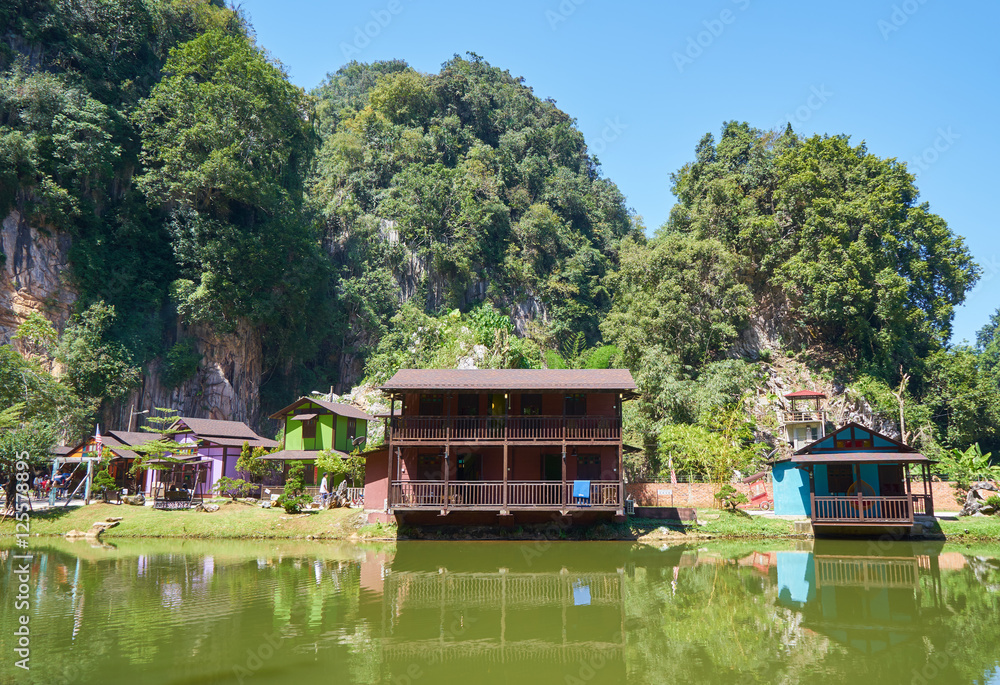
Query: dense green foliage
x,y
394,218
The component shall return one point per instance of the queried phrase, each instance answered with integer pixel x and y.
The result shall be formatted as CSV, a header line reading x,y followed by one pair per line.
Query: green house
x,y
312,426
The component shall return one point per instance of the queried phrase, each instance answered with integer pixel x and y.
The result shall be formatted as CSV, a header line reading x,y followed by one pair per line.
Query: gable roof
x,y
226,433
207,428
847,439
604,380
347,410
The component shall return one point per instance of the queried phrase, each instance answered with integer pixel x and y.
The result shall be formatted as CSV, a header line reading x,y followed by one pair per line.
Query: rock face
x,y
226,385
34,276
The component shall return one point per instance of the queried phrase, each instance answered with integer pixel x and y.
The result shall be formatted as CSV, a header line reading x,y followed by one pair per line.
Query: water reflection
x,y
219,612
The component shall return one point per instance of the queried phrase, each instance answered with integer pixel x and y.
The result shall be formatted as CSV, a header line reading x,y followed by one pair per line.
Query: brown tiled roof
x,y
134,437
208,428
347,410
603,380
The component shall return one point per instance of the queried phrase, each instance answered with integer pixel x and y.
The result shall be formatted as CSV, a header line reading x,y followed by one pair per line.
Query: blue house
x,y
853,480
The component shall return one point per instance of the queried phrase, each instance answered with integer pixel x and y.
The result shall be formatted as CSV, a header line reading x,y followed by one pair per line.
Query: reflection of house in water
x,y
869,603
531,611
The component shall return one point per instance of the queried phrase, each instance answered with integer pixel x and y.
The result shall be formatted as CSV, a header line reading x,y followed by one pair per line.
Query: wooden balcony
x,y
499,429
872,511
498,496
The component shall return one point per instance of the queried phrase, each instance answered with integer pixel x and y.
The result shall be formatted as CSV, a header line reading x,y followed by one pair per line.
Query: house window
x,y
576,405
840,477
890,480
588,467
352,431
531,405
432,405
309,429
468,405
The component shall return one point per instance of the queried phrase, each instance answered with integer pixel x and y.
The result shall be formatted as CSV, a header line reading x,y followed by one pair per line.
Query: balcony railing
x,y
506,428
803,416
489,495
855,510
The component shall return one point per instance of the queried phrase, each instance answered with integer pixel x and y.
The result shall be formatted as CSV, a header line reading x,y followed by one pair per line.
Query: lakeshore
x,y
240,521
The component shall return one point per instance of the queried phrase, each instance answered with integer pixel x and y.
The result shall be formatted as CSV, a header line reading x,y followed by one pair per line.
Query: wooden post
x,y
928,492
390,469
445,474
562,496
504,495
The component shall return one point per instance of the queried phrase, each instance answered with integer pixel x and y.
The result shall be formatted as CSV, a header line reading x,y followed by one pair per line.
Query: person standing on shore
x,y
324,491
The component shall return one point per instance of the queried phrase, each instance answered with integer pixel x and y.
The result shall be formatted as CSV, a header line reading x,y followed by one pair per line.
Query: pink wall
x,y
376,483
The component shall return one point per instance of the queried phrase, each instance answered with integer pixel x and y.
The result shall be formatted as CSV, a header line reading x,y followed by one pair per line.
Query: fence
x,y
702,495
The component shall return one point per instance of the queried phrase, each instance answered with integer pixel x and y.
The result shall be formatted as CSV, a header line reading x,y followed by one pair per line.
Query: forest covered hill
x,y
184,227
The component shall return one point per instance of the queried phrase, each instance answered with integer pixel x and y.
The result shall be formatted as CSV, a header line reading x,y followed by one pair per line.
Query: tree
x,y
97,367
232,487
352,468
293,498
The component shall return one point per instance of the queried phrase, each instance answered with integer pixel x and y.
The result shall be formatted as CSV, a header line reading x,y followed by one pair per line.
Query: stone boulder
x,y
207,508
134,500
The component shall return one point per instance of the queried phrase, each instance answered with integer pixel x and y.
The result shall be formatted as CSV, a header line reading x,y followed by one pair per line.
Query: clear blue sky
x,y
914,79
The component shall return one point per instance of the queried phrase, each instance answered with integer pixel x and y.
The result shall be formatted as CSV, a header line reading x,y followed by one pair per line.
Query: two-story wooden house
x,y
501,443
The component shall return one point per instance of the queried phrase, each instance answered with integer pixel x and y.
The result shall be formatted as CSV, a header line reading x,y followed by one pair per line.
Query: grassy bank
x,y
231,521
240,521
969,528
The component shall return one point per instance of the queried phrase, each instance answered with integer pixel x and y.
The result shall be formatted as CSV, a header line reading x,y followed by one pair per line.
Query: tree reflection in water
x,y
206,612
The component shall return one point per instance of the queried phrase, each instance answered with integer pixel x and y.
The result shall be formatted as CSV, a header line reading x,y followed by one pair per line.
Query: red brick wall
x,y
702,494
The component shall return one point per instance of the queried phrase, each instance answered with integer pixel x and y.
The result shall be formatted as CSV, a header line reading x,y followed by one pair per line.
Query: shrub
x,y
293,498
730,498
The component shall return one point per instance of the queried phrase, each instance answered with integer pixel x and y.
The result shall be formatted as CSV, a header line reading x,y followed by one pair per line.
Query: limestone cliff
x,y
35,277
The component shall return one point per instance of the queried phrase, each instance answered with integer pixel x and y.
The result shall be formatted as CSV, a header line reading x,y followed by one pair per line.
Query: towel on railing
x,y
581,488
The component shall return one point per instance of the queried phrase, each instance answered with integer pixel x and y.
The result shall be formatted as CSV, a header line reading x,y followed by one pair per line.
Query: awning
x,y
299,455
861,458
304,417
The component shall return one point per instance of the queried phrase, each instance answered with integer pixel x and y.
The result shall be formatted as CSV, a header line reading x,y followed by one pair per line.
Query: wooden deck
x,y
416,430
868,511
494,496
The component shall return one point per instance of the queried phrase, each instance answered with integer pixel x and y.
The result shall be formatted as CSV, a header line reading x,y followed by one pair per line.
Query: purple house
x,y
214,444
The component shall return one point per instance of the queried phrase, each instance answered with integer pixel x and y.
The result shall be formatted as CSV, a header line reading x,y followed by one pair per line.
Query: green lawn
x,y
231,521
971,528
713,523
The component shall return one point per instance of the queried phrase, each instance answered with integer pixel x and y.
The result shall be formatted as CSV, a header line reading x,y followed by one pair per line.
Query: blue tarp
x,y
581,488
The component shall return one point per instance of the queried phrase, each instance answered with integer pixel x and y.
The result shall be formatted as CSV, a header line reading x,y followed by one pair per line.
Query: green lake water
x,y
199,612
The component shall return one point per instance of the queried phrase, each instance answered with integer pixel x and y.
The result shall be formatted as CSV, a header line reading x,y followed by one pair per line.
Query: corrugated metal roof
x,y
860,457
347,410
511,379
